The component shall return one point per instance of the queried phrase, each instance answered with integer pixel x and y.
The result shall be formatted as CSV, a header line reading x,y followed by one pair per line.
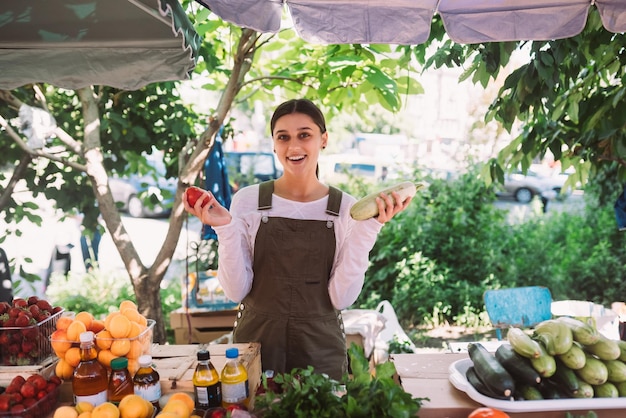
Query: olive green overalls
x,y
288,309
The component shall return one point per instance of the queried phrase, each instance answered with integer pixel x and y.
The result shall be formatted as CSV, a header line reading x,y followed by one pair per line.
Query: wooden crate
x,y
176,364
197,326
45,368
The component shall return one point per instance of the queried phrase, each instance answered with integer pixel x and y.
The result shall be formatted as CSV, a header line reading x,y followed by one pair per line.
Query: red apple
x,y
194,193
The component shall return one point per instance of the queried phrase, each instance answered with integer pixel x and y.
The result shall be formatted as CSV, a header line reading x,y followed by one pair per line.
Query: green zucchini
x,y
605,390
517,365
522,343
594,372
479,385
530,392
367,207
574,358
585,390
616,369
490,371
565,378
545,364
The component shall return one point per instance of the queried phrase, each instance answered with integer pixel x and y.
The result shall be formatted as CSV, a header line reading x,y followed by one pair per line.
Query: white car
x,y
536,182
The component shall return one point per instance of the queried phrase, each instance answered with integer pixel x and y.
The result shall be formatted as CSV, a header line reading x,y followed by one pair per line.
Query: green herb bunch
x,y
304,393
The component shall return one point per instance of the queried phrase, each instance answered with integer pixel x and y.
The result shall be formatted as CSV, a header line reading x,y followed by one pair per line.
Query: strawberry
x,y
194,193
20,303
6,402
32,300
28,390
55,380
24,320
4,307
44,305
38,381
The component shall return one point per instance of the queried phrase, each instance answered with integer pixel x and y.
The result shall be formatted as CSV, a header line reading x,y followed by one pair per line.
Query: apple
x,y
194,193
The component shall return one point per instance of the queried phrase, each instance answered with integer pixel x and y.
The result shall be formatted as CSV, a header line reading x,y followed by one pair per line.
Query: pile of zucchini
x,y
560,358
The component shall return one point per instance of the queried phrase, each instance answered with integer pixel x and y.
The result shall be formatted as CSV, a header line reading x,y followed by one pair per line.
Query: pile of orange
x,y
120,334
131,406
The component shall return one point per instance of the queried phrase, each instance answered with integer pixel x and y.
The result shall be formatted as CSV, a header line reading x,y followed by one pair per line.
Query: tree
x,y
102,130
568,96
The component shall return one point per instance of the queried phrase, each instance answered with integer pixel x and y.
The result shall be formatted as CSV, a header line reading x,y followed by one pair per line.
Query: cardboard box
x,y
199,335
200,318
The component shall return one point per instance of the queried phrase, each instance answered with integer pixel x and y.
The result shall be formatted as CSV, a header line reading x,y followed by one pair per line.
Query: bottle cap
x,y
203,355
119,363
86,336
232,352
145,360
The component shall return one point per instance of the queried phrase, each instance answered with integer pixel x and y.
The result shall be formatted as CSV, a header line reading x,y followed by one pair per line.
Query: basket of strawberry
x,y
29,397
25,329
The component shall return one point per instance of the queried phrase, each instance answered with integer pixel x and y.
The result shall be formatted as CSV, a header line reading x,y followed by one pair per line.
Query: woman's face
x,y
297,142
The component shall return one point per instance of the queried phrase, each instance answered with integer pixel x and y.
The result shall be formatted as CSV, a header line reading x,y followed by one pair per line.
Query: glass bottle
x,y
90,380
206,383
234,378
120,381
147,382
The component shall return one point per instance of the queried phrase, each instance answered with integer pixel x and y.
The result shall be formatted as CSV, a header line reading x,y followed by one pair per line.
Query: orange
x,y
107,320
105,410
178,407
136,350
72,356
84,407
131,313
143,321
65,412
120,347
183,397
133,366
86,414
133,406
64,322
97,325
60,343
119,326
63,370
127,304
86,318
75,329
135,329
104,340
105,357
165,414
485,412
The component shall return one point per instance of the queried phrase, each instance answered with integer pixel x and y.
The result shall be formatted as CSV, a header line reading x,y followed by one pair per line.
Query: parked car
x,y
250,167
536,182
337,168
150,195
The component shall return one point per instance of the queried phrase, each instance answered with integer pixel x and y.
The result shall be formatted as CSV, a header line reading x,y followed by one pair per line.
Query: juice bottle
x,y
147,382
120,381
206,383
234,378
90,380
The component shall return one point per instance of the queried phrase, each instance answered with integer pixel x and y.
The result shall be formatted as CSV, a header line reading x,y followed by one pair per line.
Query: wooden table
x,y
427,376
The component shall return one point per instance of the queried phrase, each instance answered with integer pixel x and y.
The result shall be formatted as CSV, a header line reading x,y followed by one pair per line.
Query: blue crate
x,y
205,292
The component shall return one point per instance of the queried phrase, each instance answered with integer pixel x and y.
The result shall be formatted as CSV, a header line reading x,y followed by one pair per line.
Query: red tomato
x,y
485,412
194,193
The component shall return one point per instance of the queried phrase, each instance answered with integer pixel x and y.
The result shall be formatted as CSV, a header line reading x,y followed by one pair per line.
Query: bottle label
x,y
95,400
234,392
208,396
150,393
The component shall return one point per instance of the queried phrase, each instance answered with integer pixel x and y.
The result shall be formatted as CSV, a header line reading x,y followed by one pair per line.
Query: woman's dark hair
x,y
303,106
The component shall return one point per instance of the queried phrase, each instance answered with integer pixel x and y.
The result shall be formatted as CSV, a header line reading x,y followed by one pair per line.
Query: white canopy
x,y
409,21
75,43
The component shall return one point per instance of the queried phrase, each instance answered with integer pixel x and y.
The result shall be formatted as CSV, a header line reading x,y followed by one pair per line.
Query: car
x,y
536,182
338,168
150,195
250,167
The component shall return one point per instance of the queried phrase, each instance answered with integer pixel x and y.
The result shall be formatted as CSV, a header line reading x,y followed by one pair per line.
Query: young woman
x,y
291,253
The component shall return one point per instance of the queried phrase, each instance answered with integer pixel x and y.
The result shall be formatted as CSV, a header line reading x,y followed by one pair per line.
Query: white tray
x,y
457,378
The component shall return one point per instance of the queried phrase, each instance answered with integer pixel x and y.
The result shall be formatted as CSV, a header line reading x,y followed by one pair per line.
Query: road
x,y
519,212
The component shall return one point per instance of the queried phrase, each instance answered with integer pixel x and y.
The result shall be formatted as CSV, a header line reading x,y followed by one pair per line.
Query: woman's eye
x,y
282,137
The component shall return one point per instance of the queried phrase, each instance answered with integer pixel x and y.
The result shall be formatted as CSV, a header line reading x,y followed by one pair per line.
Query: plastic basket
x,y
22,346
39,409
139,345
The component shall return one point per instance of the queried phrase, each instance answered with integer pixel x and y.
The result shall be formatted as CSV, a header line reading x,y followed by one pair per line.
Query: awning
x,y
75,43
409,21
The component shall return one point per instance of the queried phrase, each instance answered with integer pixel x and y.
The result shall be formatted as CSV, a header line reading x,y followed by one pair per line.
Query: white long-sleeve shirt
x,y
354,241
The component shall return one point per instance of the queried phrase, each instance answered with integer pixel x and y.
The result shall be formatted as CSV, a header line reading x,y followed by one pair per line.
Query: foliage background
x,y
434,261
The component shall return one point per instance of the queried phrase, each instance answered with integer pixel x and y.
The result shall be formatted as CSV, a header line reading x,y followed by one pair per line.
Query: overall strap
x,y
334,201
265,195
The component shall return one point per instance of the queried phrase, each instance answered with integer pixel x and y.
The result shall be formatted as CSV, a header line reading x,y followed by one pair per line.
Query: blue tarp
x,y
216,181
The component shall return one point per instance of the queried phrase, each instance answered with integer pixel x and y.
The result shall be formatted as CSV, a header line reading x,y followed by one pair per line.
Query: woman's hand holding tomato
x,y
205,206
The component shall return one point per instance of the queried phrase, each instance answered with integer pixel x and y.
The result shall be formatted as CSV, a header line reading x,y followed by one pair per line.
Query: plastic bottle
x,y
90,380
147,382
120,381
206,383
234,378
